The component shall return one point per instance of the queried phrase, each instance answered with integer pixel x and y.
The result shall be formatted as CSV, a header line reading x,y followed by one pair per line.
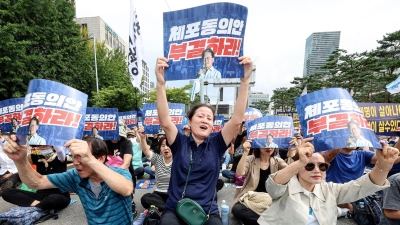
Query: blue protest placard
x,y
151,122
102,123
218,124
53,113
270,132
11,114
384,118
333,118
130,118
252,113
204,42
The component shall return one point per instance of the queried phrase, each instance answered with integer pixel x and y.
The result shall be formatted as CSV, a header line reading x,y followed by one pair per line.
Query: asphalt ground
x,y
74,214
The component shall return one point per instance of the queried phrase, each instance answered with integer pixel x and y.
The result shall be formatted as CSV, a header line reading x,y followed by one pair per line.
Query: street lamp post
x,y
95,63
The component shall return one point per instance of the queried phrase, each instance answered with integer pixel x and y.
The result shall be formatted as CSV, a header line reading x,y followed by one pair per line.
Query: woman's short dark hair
x,y
95,128
193,110
257,152
97,147
160,141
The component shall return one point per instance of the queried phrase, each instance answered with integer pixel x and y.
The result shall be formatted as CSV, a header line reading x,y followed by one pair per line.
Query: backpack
x,y
370,214
22,215
153,216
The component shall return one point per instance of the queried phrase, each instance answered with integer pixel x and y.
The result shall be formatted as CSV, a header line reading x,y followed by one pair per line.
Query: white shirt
x,y
6,163
312,220
36,140
360,142
271,145
211,73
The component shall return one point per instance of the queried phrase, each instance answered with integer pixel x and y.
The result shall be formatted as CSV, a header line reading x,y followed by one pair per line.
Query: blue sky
x,y
276,31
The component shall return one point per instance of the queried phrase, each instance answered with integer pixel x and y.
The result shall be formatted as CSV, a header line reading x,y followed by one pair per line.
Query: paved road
x,y
74,214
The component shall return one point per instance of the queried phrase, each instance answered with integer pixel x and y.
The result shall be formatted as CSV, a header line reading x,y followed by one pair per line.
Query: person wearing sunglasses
x,y
307,199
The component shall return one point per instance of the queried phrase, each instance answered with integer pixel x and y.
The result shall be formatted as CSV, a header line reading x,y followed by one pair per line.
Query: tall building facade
x,y
145,87
319,47
103,32
257,97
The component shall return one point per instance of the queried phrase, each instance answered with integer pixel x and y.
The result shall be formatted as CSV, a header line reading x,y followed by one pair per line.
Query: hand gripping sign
x,y
270,132
151,121
204,42
53,113
333,118
102,123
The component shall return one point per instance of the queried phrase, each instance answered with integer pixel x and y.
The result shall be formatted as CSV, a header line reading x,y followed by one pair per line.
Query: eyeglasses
x,y
322,166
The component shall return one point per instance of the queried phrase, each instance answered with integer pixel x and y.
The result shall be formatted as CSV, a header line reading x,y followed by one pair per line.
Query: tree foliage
x,y
364,75
174,95
39,39
263,106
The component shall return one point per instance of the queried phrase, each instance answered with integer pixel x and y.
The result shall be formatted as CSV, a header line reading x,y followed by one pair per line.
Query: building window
x,y
107,36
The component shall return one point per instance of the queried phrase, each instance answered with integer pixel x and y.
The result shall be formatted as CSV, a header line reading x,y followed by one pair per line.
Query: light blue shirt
x,y
360,142
271,145
36,140
211,73
99,137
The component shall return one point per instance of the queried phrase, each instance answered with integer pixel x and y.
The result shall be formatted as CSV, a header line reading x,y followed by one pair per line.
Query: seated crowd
x,y
313,188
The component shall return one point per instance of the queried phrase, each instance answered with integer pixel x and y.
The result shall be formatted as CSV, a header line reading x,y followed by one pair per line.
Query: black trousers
x,y
14,178
220,184
139,172
49,198
244,214
158,199
170,217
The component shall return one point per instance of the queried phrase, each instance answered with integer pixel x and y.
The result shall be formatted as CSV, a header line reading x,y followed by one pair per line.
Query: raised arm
x,y
27,174
114,180
162,104
143,143
384,163
230,128
241,167
305,151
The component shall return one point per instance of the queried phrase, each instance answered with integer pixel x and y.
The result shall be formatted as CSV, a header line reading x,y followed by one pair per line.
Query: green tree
x,y
124,98
174,95
263,106
387,57
39,39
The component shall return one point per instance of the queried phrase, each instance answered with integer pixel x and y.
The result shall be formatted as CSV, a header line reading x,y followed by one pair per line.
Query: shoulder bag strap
x,y
187,178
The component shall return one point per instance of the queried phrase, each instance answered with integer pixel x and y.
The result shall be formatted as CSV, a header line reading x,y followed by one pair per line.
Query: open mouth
x,y
203,127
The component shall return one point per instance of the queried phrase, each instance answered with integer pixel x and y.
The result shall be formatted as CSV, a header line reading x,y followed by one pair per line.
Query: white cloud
x,y
276,30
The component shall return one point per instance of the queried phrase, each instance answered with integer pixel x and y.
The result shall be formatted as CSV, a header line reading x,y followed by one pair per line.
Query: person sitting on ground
x,y
163,164
308,199
390,202
348,164
105,192
47,162
237,155
8,171
205,151
137,153
257,168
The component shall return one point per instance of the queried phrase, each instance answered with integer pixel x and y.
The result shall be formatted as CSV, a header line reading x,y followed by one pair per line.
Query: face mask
x,y
133,140
46,152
